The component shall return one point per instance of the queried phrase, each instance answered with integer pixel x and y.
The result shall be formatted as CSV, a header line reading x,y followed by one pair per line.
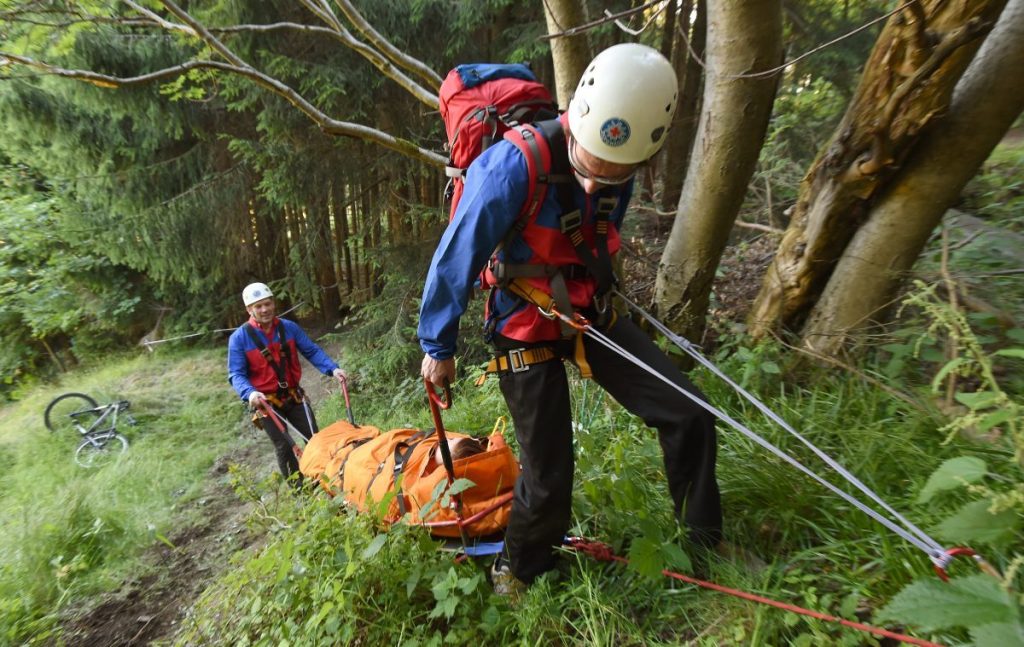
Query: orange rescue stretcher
x,y
365,465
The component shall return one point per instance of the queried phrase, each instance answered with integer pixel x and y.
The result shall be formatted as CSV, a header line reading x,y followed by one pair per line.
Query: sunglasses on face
x,y
609,180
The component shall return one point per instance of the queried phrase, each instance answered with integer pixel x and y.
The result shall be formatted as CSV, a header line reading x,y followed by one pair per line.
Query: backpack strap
x,y
544,147
279,368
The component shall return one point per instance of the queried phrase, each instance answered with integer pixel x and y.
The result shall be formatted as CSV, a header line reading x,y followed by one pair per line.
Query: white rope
x,y
910,532
154,342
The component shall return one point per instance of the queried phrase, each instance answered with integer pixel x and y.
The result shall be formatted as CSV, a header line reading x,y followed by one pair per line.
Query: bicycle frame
x,y
96,434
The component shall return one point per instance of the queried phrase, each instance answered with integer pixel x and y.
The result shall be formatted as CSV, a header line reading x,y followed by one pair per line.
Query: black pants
x,y
295,413
538,400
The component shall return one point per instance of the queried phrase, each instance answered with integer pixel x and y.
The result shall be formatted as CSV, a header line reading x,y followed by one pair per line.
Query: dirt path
x,y
150,609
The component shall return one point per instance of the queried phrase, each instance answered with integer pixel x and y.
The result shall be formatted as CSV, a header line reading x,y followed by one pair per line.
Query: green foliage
x,y
994,514
996,193
68,532
976,600
56,292
322,565
953,473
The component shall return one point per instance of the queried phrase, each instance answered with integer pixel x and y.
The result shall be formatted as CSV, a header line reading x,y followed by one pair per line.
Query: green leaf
x,y
164,540
848,606
676,558
952,474
1011,352
770,367
645,557
1000,634
973,522
933,355
950,367
963,602
997,417
977,400
374,546
459,486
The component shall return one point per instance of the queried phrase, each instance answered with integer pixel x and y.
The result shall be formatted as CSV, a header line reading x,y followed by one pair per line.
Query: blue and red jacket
x,y
496,187
249,371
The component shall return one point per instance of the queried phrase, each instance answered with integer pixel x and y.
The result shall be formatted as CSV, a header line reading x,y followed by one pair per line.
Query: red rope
x,y
498,502
603,552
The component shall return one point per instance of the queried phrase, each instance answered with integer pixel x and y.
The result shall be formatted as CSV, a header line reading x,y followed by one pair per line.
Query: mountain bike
x,y
96,423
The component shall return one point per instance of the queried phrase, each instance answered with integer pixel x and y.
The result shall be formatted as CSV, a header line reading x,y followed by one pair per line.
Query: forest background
x,y
156,157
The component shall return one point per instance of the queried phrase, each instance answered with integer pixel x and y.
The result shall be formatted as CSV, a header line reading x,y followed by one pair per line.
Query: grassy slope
x,y
332,580
321,578
68,532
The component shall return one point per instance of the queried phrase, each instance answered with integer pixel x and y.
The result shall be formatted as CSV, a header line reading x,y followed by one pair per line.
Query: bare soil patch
x,y
150,608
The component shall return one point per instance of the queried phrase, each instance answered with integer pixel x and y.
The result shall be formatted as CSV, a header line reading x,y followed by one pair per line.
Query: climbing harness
x,y
280,368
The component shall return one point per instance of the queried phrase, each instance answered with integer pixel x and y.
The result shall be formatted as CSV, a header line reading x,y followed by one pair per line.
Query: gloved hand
x,y
340,374
255,398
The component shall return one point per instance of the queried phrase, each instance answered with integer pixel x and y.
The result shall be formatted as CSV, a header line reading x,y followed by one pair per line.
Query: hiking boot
x,y
505,583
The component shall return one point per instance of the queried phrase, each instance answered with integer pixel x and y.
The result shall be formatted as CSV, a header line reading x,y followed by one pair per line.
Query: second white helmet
x,y
624,103
255,292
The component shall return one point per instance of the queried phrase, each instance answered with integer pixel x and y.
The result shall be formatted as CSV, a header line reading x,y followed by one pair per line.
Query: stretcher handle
x,y
436,398
348,403
437,402
268,411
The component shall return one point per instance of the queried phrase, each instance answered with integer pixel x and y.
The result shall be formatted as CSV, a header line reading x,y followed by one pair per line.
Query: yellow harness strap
x,y
545,301
517,361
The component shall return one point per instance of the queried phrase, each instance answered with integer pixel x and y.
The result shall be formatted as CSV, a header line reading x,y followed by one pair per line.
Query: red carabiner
x,y
577,321
982,563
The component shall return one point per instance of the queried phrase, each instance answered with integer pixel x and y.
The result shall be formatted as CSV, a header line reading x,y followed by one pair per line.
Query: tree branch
x,y
326,124
395,55
200,31
421,94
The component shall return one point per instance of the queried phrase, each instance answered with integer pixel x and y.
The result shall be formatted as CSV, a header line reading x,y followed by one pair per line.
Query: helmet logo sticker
x,y
615,132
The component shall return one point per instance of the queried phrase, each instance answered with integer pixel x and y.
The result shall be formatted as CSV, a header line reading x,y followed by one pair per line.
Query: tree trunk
x,y
684,122
744,36
570,54
907,82
983,108
326,276
341,212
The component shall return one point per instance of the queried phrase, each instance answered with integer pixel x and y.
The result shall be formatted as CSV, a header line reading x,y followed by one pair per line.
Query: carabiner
x,y
986,568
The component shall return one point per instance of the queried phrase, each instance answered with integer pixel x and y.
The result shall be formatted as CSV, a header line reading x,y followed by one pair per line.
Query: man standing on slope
x,y
263,366
617,120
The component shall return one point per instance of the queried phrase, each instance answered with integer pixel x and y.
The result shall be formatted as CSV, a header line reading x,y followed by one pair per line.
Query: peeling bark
x,y
907,83
885,248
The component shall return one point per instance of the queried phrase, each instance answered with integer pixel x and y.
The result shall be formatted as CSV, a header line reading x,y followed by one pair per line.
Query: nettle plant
x,y
989,491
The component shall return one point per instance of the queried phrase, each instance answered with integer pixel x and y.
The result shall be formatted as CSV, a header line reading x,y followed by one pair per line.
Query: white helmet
x,y
624,104
255,292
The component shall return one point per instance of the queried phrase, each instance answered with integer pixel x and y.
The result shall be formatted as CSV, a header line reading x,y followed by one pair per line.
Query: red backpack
x,y
482,102
479,103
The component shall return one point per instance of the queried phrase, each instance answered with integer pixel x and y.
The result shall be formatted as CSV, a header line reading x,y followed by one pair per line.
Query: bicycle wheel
x,y
99,449
58,412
